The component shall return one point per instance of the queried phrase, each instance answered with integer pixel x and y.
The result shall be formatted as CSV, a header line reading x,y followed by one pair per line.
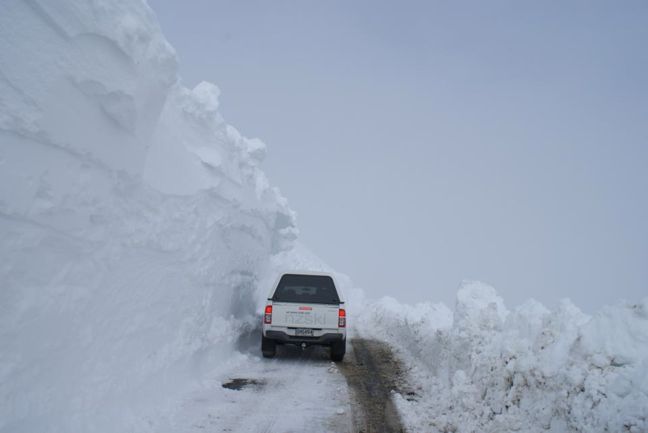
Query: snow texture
x,y
139,237
483,368
298,392
136,224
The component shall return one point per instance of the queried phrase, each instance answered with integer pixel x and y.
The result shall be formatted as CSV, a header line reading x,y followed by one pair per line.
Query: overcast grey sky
x,y
424,142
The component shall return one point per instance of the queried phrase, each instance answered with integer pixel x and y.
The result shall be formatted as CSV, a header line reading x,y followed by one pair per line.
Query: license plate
x,y
303,332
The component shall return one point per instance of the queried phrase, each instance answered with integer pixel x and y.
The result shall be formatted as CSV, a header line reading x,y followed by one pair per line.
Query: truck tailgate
x,y
317,316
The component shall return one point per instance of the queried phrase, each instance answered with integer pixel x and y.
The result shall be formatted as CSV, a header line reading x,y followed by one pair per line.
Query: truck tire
x,y
338,349
268,347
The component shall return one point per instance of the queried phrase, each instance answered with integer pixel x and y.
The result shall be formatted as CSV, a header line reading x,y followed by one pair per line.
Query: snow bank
x,y
486,369
135,222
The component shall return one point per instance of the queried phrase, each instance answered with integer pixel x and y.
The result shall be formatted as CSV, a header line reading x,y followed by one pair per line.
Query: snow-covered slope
x,y
134,221
483,368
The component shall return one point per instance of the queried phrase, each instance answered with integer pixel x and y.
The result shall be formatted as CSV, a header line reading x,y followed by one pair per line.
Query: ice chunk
x,y
478,304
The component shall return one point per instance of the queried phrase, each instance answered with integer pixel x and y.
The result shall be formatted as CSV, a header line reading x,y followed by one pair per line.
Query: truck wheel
x,y
338,349
268,347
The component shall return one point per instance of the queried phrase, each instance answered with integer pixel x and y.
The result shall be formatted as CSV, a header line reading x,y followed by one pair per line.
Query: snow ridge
x,y
484,368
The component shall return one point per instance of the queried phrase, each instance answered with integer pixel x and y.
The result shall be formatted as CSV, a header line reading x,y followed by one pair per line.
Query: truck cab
x,y
305,309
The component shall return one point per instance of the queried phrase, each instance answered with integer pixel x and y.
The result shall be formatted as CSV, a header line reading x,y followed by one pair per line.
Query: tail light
x,y
342,318
267,317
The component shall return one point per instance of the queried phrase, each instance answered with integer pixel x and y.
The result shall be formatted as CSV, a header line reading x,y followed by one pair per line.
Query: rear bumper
x,y
322,340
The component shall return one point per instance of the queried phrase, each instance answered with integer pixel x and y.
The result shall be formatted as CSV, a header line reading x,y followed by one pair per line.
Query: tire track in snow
x,y
372,372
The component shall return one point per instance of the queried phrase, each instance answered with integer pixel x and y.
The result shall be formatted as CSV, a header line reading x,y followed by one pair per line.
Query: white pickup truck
x,y
305,309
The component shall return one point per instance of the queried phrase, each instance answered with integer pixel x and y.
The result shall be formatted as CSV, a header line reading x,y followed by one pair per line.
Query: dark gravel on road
x,y
372,372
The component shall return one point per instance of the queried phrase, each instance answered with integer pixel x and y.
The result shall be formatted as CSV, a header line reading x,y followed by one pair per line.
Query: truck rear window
x,y
306,289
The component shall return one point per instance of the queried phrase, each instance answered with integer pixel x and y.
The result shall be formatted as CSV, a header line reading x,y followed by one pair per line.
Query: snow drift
x,y
135,222
483,368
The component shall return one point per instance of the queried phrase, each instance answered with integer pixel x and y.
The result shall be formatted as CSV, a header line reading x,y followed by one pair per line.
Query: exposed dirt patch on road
x,y
239,383
372,372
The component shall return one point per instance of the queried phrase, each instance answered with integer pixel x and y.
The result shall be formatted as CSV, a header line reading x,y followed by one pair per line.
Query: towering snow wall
x,y
134,222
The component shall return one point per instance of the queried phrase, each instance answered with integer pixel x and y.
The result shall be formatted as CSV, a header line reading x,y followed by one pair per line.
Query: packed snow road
x,y
298,391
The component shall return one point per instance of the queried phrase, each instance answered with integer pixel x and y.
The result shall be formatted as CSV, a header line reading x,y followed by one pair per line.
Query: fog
x,y
423,143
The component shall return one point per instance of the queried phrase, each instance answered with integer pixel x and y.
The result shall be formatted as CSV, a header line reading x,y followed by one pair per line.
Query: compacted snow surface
x,y
140,237
295,392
